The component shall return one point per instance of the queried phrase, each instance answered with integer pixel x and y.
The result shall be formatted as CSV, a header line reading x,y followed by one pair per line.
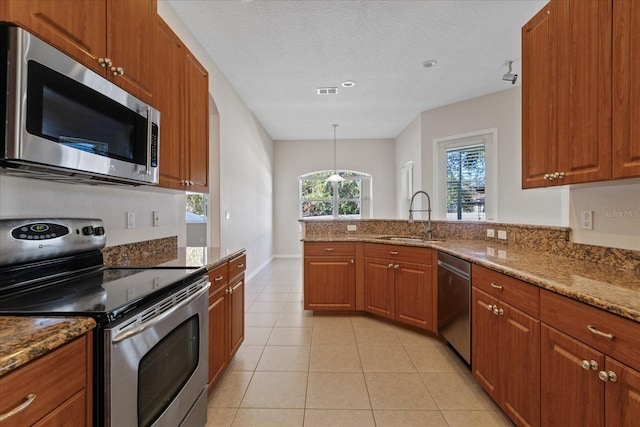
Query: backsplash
x,y
549,239
146,253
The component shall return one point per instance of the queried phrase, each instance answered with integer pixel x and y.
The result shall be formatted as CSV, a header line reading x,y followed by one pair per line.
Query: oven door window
x,y
165,369
65,111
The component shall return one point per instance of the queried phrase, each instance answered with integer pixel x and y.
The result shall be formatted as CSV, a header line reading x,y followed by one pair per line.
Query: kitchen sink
x,y
411,239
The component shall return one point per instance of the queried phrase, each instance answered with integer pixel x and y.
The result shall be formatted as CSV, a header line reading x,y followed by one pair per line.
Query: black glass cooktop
x,y
106,294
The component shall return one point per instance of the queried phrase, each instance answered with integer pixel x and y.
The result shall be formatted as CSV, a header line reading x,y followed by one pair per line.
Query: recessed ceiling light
x,y
430,63
348,83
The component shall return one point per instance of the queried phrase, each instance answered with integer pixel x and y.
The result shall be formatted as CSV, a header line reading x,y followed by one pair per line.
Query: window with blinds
x,y
466,183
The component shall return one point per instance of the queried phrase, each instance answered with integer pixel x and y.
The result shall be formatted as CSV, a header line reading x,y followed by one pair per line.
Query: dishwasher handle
x,y
454,270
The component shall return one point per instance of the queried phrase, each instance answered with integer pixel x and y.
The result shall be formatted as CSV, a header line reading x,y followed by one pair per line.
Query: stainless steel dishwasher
x,y
454,303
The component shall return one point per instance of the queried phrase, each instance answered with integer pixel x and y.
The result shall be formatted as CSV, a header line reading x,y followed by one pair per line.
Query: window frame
x,y
335,200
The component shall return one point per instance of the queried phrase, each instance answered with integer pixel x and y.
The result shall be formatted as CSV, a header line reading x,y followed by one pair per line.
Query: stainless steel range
x,y
150,344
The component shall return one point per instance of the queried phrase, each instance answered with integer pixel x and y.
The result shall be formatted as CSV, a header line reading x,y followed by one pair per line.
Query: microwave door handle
x,y
149,139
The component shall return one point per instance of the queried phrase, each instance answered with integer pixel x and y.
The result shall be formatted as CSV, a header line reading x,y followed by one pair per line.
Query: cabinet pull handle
x,y
240,265
217,279
597,332
236,286
493,285
329,249
28,400
393,252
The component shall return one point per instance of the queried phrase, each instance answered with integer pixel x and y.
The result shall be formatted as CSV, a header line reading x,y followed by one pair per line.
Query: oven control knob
x,y
88,230
98,231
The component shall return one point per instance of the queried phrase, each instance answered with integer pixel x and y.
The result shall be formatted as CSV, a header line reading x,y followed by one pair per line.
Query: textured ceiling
x,y
276,53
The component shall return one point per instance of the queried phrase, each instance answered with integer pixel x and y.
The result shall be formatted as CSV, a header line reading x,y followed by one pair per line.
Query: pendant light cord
x,y
334,149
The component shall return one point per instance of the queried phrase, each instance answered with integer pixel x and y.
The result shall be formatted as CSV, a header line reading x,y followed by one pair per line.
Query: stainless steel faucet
x,y
428,232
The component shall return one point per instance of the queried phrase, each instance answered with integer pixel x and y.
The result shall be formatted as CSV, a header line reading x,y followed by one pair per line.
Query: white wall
x,y
295,158
501,110
408,149
246,159
23,197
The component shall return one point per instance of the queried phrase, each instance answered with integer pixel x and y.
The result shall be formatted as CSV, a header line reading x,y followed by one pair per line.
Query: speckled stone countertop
x,y
23,339
600,285
195,256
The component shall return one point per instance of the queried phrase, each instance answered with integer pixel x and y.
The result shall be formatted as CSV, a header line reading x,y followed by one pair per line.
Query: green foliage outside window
x,y
319,197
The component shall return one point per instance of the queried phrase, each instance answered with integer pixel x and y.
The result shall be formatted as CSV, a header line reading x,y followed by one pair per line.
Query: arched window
x,y
320,198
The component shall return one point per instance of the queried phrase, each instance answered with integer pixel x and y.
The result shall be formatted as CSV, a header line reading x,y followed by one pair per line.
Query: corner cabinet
x,y
506,343
112,37
226,316
398,283
329,276
58,384
181,86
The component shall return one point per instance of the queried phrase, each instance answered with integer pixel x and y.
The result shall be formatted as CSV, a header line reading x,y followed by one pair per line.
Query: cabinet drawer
x,y
237,266
53,379
521,295
218,276
399,252
576,319
329,249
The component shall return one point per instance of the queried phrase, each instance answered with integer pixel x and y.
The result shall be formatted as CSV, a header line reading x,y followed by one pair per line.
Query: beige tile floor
x,y
300,369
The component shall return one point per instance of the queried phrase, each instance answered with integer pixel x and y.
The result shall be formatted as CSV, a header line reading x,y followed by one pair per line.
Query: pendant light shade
x,y
334,177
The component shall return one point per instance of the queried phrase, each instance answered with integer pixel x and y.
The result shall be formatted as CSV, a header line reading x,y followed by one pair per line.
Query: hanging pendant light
x,y
334,177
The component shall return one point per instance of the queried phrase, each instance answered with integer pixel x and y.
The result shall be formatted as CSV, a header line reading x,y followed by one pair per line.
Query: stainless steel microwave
x,y
62,121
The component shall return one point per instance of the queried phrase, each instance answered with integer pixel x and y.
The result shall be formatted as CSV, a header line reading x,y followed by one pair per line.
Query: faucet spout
x,y
428,232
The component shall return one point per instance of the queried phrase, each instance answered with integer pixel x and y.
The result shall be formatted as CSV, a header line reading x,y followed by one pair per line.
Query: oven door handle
x,y
149,323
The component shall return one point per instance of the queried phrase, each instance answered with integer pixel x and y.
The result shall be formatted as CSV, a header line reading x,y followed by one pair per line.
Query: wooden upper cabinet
x,y
626,89
584,90
566,94
197,123
91,30
130,26
167,83
539,97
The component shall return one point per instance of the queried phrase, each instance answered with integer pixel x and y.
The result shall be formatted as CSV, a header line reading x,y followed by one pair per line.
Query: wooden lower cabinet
x,y
506,357
329,276
226,316
622,398
61,384
397,287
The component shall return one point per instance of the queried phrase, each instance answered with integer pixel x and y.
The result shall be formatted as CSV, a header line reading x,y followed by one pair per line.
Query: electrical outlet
x,y
156,218
502,234
351,227
586,220
131,220
490,232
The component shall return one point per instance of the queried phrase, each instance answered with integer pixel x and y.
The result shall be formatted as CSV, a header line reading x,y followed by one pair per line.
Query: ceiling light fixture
x,y
430,63
510,77
348,83
335,177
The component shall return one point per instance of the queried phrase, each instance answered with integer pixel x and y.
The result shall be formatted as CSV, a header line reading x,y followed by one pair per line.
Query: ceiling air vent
x,y
327,90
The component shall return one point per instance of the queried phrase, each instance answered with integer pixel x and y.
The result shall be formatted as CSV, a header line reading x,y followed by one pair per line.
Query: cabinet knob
x,y
352,261
396,266
489,307
104,62
497,311
585,365
589,364
117,71
608,376
549,176
559,175
390,266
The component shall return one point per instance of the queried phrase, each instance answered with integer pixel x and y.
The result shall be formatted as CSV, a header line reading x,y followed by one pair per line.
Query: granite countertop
x,y
612,289
196,256
23,339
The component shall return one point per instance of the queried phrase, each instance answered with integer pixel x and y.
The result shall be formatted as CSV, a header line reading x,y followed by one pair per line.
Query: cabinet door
x,y
414,295
218,338
539,97
197,124
167,85
72,413
379,294
570,394
329,283
584,90
520,366
236,315
623,395
77,27
626,89
484,341
130,26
